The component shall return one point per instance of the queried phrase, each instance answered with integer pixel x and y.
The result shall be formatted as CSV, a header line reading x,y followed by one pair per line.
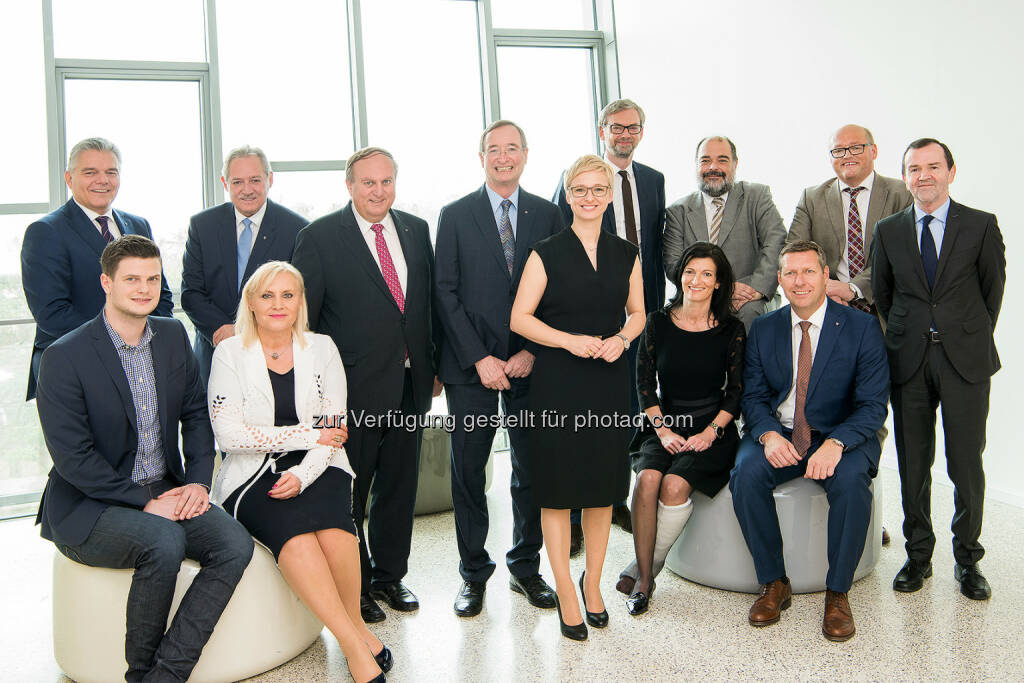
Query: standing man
x,y
740,217
636,214
483,240
938,274
227,243
815,385
60,255
369,276
112,397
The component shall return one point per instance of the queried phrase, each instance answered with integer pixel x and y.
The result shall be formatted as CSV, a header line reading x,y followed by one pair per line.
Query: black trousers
x,y
386,460
964,415
471,448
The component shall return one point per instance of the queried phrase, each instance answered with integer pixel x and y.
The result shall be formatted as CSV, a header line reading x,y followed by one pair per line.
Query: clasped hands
x,y
780,452
743,294
494,372
674,443
586,346
180,503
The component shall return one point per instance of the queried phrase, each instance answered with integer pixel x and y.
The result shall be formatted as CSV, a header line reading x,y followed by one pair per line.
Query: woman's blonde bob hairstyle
x,y
245,321
585,164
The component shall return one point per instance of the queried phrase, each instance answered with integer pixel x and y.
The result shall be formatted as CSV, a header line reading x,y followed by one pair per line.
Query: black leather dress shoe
x,y
575,539
973,583
536,590
397,596
470,599
621,516
577,632
385,660
371,611
912,576
595,619
637,603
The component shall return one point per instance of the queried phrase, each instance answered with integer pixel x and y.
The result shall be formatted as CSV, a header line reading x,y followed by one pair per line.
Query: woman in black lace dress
x,y
693,349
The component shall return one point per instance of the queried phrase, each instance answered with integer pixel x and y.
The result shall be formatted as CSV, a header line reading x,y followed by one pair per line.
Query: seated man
x,y
111,397
816,383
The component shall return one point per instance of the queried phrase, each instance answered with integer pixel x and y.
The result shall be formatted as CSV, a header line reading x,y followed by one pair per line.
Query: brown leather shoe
x,y
837,625
775,597
885,536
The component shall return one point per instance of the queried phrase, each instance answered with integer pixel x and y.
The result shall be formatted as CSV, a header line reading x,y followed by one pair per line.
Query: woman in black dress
x,y
284,476
693,350
575,288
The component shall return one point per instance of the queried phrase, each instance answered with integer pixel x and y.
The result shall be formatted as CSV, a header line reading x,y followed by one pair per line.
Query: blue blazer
x,y
473,289
89,425
650,190
60,273
209,278
849,384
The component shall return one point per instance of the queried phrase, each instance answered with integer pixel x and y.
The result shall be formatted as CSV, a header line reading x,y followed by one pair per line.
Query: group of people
x,y
316,343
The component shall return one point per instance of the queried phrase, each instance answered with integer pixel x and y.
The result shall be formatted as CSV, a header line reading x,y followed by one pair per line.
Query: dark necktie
x,y
929,256
627,208
508,240
105,228
855,243
802,430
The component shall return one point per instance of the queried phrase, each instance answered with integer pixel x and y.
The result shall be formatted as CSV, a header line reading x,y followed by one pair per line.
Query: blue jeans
x,y
126,538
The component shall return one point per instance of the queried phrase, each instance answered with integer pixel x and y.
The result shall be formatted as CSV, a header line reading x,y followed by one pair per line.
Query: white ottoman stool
x,y
263,626
711,550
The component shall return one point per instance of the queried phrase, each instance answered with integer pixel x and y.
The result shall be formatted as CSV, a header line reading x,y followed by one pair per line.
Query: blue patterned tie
x,y
244,245
929,257
508,241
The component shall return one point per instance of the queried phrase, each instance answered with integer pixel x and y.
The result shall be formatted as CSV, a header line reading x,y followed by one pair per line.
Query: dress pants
x,y
386,460
469,454
126,538
964,414
752,481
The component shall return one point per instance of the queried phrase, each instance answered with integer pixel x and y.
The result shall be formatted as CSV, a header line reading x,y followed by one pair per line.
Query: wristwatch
x,y
719,431
625,342
853,291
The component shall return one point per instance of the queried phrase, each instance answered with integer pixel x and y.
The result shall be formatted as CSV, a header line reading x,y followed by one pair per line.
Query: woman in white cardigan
x,y
277,404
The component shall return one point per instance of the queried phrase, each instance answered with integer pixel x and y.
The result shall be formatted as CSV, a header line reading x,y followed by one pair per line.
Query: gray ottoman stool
x,y
434,489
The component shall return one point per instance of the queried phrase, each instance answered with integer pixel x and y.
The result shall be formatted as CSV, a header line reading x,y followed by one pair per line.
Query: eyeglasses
x,y
840,152
579,191
618,129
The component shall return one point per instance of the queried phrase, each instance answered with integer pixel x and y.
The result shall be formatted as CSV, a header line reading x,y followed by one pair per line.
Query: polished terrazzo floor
x,y
690,633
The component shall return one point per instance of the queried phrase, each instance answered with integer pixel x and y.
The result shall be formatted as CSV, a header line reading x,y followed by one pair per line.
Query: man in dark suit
x,y
938,273
483,240
637,214
369,278
112,396
227,243
60,254
815,386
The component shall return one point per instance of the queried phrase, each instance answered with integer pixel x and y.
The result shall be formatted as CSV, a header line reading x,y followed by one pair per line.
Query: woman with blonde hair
x,y
576,289
277,404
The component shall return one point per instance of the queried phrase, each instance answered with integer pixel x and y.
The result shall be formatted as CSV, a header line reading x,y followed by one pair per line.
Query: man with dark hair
x,y
815,386
112,395
60,254
938,274
227,243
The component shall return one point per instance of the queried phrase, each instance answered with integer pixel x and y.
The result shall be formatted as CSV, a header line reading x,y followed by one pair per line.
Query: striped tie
x,y
801,429
716,220
105,229
508,240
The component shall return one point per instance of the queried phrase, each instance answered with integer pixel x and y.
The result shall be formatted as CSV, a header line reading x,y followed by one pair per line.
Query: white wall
x,y
779,77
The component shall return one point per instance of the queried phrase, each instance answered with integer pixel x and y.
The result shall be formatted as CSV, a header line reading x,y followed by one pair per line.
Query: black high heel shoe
x,y
385,660
577,632
595,619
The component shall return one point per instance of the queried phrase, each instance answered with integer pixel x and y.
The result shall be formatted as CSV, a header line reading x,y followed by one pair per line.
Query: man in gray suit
x,y
740,217
833,214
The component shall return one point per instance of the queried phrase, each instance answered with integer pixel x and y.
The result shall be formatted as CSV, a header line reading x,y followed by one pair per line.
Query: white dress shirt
x,y
863,202
788,407
112,226
390,235
620,209
256,218
709,209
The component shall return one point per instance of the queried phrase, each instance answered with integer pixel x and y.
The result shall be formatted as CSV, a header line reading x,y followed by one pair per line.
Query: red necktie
x,y
387,266
855,243
802,430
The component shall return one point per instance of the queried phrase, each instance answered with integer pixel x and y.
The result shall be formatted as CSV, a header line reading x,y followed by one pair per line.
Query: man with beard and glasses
x,y
740,217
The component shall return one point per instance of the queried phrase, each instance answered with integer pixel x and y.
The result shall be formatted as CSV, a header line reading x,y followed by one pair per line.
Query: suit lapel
x,y
255,365
732,212
949,235
84,228
123,225
303,364
608,222
879,198
524,232
488,228
411,255
834,209
784,350
227,242
640,175
112,364
360,250
911,247
160,351
831,329
262,244
696,219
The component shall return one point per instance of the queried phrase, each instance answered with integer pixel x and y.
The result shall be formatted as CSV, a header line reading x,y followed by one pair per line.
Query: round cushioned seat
x,y
434,486
711,550
263,626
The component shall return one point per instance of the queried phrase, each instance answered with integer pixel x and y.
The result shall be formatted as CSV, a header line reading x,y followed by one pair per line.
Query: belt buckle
x,y
933,337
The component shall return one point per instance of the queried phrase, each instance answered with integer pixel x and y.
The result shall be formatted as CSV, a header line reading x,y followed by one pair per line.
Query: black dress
x,y
325,504
579,439
700,373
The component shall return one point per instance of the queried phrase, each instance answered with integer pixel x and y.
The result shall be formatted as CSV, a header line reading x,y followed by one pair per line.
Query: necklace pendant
x,y
275,355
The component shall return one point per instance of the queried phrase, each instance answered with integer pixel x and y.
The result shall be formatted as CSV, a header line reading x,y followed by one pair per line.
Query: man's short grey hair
x,y
499,124
246,151
617,106
94,144
365,153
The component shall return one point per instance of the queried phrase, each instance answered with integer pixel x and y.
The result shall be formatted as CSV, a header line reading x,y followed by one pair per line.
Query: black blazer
x,y
964,303
60,273
650,190
349,301
209,292
473,289
89,424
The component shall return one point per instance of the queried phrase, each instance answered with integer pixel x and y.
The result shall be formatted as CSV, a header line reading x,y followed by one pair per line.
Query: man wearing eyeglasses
x,y
636,214
840,214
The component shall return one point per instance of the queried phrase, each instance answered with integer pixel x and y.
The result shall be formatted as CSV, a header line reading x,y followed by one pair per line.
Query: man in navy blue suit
x,y
227,243
816,383
60,254
637,214
483,240
113,395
